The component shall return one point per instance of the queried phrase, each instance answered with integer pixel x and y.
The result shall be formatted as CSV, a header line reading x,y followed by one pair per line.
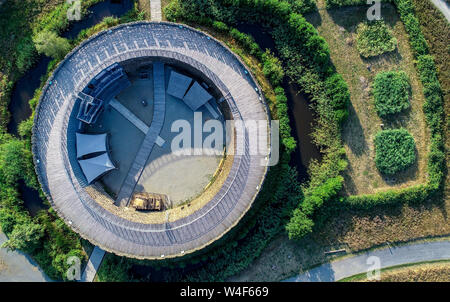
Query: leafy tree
x,y
272,68
25,237
16,163
299,225
50,44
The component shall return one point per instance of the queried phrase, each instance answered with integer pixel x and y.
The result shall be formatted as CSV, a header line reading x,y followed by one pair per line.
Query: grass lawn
x,y
421,272
338,27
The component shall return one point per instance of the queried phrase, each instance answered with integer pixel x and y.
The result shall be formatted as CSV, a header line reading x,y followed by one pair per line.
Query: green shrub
x,y
391,90
303,6
272,68
374,38
25,237
26,54
5,90
407,14
395,151
338,94
220,27
341,3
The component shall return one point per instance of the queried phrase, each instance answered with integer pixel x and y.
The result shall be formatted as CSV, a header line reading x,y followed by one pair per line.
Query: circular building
x,y
108,122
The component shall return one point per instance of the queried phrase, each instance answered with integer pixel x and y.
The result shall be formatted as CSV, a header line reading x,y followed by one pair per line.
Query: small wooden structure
x,y
149,201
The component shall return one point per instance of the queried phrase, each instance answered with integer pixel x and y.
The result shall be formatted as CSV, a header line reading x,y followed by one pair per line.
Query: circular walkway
x,y
61,179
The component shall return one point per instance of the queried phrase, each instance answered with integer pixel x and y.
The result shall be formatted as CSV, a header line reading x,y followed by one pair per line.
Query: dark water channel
x,y
300,114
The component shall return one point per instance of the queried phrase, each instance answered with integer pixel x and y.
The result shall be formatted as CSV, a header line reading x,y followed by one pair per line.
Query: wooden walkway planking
x,y
129,184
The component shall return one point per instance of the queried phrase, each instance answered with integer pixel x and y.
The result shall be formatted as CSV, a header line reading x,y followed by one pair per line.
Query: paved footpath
x,y
353,265
155,10
93,264
18,267
443,7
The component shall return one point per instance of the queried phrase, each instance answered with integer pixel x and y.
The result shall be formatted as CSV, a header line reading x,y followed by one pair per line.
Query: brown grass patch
x,y
144,5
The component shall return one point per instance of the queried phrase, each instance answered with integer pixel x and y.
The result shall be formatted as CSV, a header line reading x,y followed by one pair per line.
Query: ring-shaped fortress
x,y
53,144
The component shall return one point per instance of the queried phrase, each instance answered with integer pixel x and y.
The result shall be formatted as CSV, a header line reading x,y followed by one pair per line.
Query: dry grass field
x,y
338,27
144,5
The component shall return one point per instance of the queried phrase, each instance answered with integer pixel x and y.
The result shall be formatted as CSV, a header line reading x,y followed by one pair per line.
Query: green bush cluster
x,y
273,71
338,95
26,54
5,91
391,91
45,237
374,38
433,109
302,6
50,44
395,150
341,3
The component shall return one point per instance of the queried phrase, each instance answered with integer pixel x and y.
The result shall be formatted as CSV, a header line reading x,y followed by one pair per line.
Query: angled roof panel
x,y
178,84
95,167
90,143
196,97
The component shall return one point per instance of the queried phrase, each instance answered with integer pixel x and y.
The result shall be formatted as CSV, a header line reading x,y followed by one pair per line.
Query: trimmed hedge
x,y
395,150
391,91
374,38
